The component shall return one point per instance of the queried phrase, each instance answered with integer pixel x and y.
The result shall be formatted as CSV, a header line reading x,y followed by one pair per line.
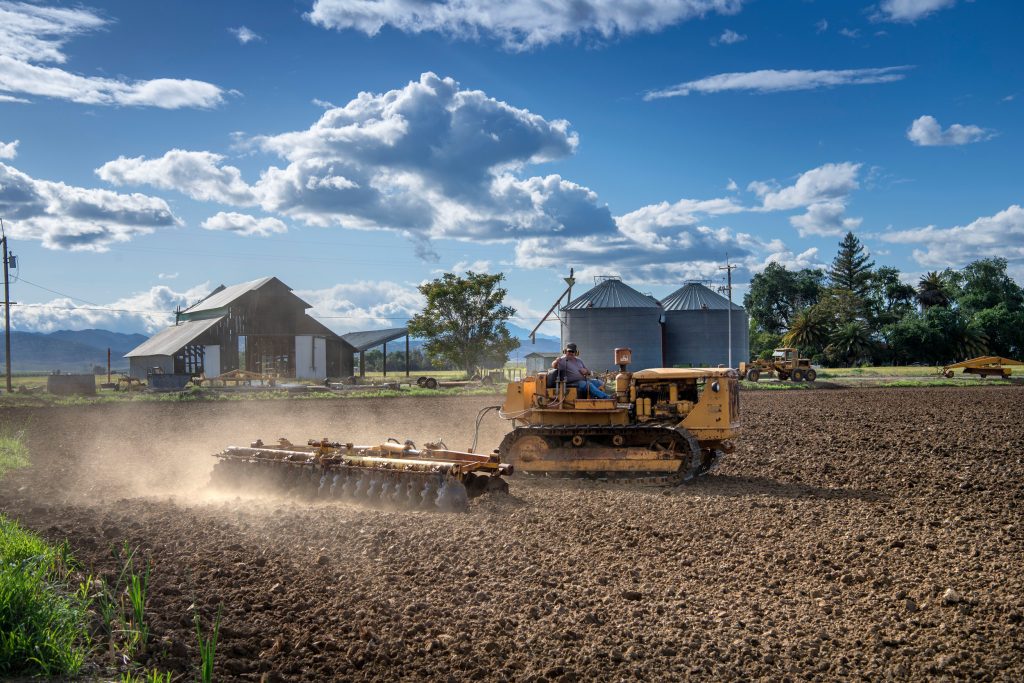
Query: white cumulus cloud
x,y
824,219
244,224
200,175
910,10
728,37
145,312
67,217
431,160
824,183
772,80
32,34
244,34
9,150
926,131
519,25
999,235
363,305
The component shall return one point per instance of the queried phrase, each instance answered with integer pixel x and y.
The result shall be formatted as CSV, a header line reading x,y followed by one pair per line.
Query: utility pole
x,y
728,268
8,260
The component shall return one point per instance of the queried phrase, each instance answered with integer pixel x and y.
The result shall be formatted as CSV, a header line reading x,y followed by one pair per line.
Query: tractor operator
x,y
575,373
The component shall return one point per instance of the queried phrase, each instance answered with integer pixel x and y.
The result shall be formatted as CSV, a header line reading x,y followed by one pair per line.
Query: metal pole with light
x,y
728,268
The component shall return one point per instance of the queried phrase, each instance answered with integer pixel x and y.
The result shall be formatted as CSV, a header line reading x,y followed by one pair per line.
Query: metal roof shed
x,y
369,339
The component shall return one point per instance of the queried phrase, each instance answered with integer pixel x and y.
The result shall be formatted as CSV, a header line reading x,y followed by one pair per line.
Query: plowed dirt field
x,y
860,533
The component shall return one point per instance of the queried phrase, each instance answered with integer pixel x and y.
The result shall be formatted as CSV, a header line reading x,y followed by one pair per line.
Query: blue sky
x,y
151,151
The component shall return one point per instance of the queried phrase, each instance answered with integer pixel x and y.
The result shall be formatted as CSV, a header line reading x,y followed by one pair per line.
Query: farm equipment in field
x,y
391,474
785,363
661,426
984,366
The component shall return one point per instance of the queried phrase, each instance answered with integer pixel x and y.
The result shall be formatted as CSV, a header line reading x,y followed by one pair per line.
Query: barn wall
x,y
310,357
139,366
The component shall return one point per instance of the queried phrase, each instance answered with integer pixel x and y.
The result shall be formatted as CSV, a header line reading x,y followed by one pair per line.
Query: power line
x,y
54,291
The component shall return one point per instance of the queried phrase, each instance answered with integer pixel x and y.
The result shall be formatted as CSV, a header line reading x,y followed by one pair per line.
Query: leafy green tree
x,y
763,343
851,268
889,298
776,293
464,320
911,339
985,284
1003,328
955,337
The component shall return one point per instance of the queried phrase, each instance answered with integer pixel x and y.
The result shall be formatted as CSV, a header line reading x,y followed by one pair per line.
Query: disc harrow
x,y
390,475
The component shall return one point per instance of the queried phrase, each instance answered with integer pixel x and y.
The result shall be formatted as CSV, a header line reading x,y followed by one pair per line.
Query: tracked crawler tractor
x,y
392,474
662,426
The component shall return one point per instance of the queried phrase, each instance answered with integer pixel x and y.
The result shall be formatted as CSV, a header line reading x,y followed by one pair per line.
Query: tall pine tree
x,y
851,268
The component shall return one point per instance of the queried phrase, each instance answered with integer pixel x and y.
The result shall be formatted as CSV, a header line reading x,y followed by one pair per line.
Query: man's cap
x,y
571,347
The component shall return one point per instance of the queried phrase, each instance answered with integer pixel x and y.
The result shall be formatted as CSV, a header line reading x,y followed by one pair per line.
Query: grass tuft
x,y
13,453
43,621
207,648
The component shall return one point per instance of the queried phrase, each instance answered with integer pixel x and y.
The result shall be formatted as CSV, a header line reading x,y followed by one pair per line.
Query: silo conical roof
x,y
696,297
612,293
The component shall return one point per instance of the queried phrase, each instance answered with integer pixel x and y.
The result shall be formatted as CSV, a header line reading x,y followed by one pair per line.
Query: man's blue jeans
x,y
593,386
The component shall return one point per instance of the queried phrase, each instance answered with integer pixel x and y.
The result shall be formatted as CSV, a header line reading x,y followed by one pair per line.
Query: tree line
x,y
854,313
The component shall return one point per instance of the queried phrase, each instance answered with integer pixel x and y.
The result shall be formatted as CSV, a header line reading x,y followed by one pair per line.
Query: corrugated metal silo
x,y
697,328
613,315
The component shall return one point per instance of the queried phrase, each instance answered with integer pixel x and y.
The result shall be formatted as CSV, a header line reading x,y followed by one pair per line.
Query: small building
x,y
539,361
258,326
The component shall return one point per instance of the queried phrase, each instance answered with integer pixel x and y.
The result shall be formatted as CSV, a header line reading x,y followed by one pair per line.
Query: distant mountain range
x,y
69,350
83,350
545,343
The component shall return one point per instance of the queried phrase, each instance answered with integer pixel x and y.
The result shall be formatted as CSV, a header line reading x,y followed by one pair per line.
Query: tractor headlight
x,y
715,387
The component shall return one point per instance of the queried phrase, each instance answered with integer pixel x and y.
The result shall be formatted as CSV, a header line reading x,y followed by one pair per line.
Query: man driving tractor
x,y
576,374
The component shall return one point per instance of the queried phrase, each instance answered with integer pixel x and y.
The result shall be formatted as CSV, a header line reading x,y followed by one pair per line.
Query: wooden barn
x,y
259,326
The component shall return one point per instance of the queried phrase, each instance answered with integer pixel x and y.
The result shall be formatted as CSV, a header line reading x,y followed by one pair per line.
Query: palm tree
x,y
932,290
852,341
968,341
809,330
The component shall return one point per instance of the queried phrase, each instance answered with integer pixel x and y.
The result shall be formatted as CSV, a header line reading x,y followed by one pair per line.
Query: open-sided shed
x,y
362,342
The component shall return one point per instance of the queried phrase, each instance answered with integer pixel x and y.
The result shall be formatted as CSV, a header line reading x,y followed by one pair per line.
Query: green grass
x,y
43,619
881,371
943,383
773,386
13,453
207,648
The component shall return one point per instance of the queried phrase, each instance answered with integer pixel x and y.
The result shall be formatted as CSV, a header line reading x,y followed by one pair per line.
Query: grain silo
x,y
613,315
697,328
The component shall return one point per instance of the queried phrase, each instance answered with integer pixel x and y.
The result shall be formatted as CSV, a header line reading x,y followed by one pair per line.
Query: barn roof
x,y
362,341
612,293
167,342
696,297
222,297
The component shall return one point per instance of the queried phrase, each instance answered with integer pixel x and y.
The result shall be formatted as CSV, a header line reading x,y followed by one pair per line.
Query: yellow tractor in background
x,y
661,426
785,363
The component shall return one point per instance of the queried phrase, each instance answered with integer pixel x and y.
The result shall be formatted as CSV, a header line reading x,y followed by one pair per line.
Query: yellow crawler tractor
x,y
391,474
662,426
